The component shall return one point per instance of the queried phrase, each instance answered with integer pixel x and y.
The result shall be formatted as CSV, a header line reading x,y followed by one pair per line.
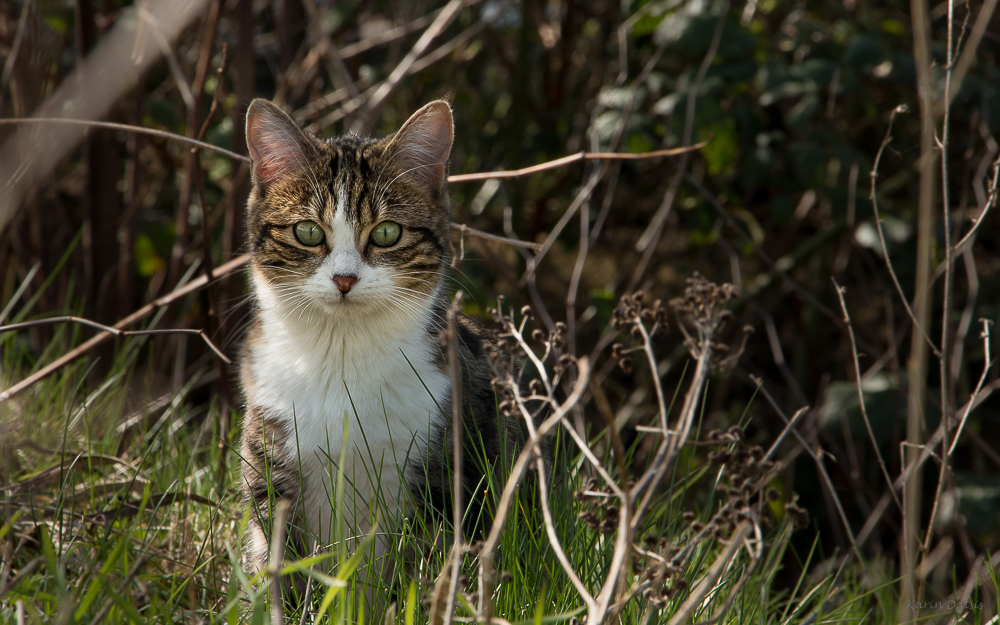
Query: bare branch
x,y
968,53
444,18
987,363
274,564
873,196
456,438
861,394
137,129
464,229
114,331
574,158
487,576
143,312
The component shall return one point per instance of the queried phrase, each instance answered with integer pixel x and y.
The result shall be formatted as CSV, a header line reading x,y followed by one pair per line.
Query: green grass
x,y
138,524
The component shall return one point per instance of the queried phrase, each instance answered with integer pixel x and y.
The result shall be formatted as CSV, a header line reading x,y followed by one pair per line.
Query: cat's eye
x,y
309,233
386,234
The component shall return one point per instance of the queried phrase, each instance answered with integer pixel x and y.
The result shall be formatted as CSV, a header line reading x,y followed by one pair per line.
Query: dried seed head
x,y
526,312
800,518
561,327
719,456
626,365
538,335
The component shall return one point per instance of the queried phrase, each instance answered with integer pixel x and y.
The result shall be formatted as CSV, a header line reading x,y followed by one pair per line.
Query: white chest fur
x,y
317,372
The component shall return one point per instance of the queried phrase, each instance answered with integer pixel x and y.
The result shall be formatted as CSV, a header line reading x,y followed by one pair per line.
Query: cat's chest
x,y
387,388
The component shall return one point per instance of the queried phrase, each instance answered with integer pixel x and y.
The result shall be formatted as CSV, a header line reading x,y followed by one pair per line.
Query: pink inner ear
x,y
424,145
275,145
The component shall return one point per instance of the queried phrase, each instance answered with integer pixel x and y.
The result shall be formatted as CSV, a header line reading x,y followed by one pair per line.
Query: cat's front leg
x,y
269,475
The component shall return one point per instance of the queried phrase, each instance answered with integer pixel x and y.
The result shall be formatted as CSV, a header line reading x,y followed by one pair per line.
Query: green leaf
x,y
723,148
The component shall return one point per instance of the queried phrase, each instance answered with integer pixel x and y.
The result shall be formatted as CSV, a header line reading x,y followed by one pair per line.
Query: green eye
x,y
309,233
386,233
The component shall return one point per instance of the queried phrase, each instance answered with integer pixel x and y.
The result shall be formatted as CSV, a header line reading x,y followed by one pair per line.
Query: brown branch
x,y
114,126
388,36
818,461
464,229
861,395
143,312
965,59
979,387
573,158
442,21
456,437
114,331
274,566
455,179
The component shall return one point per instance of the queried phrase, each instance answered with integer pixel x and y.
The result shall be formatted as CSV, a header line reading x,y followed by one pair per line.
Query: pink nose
x,y
344,282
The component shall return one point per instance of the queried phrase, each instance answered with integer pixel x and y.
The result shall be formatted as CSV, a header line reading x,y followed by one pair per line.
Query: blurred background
x,y
793,97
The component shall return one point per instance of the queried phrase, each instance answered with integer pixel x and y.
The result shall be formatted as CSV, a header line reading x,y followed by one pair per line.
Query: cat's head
x,y
348,224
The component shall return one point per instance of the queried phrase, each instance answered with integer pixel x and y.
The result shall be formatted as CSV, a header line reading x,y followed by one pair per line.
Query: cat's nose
x,y
344,283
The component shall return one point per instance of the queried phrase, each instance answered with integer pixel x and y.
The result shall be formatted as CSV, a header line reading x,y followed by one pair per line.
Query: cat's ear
x,y
278,147
423,144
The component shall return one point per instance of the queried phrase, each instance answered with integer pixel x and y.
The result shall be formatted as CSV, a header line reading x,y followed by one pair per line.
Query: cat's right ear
x,y
278,147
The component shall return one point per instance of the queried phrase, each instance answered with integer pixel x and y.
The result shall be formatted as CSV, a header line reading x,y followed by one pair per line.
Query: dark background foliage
x,y
794,104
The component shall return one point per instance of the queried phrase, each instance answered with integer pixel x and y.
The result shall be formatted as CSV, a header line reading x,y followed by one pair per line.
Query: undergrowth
x,y
115,510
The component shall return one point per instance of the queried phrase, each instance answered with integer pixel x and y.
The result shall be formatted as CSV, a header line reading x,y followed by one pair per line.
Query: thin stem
x,y
987,363
143,312
575,158
861,394
456,437
137,129
873,196
115,331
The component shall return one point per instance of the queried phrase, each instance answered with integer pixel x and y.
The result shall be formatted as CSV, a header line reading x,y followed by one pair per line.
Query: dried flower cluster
x,y
508,365
745,473
702,313
601,515
632,313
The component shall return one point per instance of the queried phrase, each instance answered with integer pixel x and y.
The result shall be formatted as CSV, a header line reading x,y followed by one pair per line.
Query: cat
x,y
350,248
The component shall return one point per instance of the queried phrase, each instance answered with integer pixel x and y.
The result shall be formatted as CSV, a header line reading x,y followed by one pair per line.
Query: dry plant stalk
x,y
702,312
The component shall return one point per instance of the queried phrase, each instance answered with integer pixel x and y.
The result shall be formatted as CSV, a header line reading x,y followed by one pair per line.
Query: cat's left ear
x,y
423,144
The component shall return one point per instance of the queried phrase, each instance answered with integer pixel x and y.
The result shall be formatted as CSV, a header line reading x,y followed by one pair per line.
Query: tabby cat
x,y
350,245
